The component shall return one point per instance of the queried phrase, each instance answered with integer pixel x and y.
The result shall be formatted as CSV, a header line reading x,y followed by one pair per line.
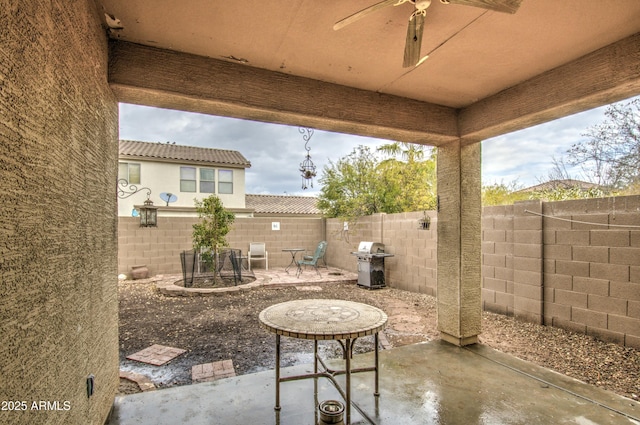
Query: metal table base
x,y
326,320
326,372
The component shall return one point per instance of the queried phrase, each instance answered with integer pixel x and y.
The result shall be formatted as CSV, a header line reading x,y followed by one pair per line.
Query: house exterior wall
x,y
165,177
58,249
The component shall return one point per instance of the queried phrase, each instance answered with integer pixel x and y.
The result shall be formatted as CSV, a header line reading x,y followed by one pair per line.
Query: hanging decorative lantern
x,y
307,167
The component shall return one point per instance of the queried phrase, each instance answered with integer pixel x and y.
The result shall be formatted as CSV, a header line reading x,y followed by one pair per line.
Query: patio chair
x,y
258,252
324,261
317,255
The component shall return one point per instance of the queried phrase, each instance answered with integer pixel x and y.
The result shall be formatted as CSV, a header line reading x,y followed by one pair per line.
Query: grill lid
x,y
371,248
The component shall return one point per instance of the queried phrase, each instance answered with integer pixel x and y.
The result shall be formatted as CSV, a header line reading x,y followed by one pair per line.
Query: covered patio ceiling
x,y
487,73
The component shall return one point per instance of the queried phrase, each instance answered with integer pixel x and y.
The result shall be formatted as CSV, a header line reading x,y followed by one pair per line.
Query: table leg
x,y
315,356
277,407
377,361
315,380
348,380
293,261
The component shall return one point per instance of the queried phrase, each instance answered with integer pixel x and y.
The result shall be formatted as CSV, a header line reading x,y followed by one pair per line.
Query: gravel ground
x,y
226,327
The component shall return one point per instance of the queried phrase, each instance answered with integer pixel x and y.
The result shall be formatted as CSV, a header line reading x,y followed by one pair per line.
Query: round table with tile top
x,y
319,319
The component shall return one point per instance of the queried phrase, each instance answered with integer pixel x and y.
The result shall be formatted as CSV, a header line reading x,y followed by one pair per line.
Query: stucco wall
x,y
159,248
58,167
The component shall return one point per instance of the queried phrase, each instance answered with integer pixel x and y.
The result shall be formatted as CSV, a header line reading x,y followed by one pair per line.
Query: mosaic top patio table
x,y
317,319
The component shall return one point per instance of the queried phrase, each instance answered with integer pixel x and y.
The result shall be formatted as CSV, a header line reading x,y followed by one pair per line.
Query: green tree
x,y
361,184
351,186
502,194
409,182
210,234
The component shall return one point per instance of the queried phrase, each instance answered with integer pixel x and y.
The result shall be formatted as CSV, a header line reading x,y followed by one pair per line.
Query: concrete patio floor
x,y
428,383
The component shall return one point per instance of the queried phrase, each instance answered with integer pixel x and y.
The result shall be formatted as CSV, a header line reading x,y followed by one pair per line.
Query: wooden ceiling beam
x,y
607,75
168,79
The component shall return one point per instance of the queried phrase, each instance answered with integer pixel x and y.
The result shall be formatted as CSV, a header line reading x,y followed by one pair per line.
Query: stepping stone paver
x,y
156,355
211,371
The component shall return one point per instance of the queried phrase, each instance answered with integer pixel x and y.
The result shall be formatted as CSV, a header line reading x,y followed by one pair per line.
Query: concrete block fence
x,y
570,264
159,248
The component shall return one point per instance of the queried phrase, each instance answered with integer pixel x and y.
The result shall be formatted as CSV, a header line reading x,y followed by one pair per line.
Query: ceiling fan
x,y
416,20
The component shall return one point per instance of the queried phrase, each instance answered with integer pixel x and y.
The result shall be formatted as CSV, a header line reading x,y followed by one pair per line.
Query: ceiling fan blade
x,y
506,6
364,12
414,40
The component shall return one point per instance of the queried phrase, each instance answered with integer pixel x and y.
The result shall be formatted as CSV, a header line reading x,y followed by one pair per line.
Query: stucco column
x,y
459,240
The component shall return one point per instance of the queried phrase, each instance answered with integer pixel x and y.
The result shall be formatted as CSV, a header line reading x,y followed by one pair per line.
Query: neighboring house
x,y
187,172
560,184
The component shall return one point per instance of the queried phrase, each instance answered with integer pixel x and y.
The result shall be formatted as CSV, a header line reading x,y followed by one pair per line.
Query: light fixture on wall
x,y
148,212
424,222
307,167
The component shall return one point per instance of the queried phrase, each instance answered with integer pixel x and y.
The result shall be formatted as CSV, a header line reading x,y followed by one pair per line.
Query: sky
x,y
276,151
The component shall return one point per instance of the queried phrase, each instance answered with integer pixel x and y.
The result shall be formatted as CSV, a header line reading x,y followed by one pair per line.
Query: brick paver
x,y
211,371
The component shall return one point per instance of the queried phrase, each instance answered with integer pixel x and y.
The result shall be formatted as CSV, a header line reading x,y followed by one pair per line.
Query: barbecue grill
x,y
371,257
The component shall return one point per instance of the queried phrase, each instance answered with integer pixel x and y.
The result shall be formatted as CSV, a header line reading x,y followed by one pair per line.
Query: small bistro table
x,y
293,252
318,319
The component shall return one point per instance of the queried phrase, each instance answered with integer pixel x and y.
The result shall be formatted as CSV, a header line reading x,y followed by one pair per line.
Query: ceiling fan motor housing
x,y
422,4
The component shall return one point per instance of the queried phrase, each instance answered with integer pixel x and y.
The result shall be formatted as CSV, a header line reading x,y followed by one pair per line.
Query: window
x,y
130,172
207,180
225,181
187,179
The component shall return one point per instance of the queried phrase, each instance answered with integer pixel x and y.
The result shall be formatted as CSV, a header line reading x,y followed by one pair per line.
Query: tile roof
x,y
560,184
173,153
282,204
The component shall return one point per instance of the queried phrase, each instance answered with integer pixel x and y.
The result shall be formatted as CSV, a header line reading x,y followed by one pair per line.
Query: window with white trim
x,y
207,180
129,171
187,179
225,181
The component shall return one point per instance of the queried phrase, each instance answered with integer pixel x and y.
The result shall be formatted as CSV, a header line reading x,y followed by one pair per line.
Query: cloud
x,y
527,155
276,151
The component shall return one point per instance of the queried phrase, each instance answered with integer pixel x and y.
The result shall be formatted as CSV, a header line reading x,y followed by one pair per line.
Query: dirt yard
x,y
226,327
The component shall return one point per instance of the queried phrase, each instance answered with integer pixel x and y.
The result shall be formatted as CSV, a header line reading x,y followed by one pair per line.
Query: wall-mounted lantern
x,y
425,222
148,212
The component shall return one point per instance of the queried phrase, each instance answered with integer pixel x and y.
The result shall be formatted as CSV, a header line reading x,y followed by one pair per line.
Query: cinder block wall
x,y
341,240
568,274
592,271
58,247
497,259
413,267
574,268
159,248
